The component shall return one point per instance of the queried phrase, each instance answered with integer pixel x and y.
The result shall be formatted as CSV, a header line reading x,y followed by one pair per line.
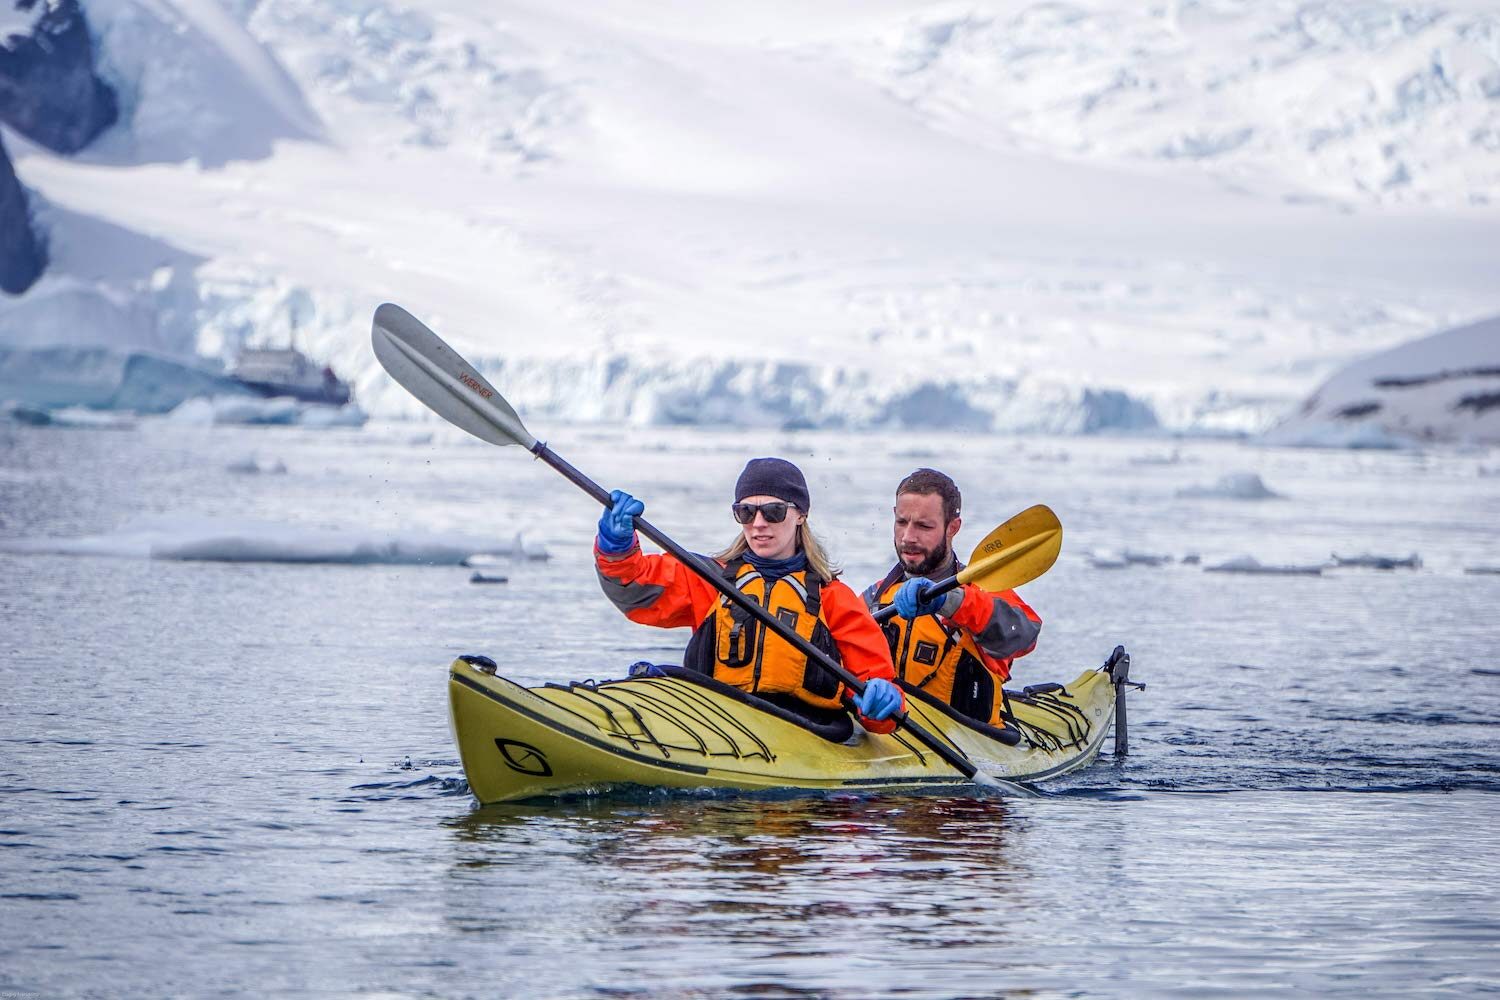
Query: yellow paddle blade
x,y
1017,552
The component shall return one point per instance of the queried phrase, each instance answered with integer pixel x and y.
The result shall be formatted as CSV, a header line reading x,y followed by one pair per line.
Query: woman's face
x,y
772,541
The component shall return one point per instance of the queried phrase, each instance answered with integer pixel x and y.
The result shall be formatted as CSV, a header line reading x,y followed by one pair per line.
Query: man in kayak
x,y
958,646
778,562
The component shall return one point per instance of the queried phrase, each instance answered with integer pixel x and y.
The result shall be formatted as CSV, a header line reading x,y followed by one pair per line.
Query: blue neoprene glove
x,y
911,604
881,700
617,526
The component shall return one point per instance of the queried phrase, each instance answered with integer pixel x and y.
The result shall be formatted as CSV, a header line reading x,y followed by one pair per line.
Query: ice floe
x,y
1369,561
280,411
1106,558
69,416
1234,486
225,540
520,547
1251,565
478,577
251,465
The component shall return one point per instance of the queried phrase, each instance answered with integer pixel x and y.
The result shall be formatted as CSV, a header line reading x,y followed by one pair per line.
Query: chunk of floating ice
x,y
519,548
1106,559
70,416
79,416
1110,559
280,411
316,415
250,465
224,540
1235,486
203,412
1249,564
1367,561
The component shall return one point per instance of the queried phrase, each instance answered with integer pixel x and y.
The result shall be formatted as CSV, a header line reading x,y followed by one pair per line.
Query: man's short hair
x,y
930,481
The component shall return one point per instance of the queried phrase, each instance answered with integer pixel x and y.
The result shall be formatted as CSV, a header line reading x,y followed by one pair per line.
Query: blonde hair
x,y
818,559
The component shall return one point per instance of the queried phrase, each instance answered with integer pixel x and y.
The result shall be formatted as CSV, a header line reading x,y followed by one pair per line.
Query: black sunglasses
x,y
775,511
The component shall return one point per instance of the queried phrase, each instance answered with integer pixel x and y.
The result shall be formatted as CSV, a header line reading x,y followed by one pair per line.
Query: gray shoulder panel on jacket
x,y
628,596
1009,631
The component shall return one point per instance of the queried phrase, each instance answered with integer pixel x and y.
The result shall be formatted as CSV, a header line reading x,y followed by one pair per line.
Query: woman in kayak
x,y
777,562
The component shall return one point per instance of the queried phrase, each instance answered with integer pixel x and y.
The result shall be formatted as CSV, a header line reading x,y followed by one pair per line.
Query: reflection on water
x,y
770,881
837,836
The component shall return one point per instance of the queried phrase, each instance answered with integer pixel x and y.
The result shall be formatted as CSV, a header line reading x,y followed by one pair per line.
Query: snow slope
x,y
1346,100
1445,387
987,215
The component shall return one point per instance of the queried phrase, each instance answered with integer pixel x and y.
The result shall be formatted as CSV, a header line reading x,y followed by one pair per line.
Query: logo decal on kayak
x,y
524,757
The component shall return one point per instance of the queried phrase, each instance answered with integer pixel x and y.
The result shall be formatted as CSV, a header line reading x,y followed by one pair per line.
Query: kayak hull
x,y
677,733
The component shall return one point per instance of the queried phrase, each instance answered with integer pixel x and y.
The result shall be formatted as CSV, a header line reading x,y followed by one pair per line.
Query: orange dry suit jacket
x,y
962,654
659,590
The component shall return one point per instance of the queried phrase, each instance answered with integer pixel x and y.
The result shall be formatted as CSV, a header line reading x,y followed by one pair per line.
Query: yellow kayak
x,y
683,730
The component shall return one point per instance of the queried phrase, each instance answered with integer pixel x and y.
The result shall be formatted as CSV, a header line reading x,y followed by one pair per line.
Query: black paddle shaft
x,y
712,574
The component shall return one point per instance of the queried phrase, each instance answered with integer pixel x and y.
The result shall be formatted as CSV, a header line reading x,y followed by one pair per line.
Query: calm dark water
x,y
230,779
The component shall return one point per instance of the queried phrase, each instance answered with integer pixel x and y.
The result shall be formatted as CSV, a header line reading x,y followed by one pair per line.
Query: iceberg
x,y
53,378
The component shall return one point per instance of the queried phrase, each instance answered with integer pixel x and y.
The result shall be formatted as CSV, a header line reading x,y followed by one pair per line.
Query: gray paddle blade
x,y
436,374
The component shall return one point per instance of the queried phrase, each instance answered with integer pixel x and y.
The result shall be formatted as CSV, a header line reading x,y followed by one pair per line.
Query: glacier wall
x,y
787,395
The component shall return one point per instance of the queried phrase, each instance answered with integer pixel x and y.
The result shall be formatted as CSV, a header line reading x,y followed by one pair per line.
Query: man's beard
x,y
935,560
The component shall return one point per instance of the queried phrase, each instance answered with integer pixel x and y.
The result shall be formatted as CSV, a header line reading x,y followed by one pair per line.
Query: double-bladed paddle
x,y
1017,552
438,376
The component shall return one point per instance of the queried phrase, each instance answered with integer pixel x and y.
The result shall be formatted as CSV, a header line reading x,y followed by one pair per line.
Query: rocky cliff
x,y
22,256
49,91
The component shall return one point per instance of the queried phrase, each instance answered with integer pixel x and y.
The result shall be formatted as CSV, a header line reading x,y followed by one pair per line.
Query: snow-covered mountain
x,y
1010,215
1445,387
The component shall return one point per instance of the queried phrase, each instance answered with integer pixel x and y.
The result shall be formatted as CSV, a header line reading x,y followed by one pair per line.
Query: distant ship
x,y
285,371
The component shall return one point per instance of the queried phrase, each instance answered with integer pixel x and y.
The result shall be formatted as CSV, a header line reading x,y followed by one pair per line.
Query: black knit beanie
x,y
773,477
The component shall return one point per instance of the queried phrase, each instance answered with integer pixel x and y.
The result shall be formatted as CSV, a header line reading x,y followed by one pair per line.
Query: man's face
x,y
923,539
